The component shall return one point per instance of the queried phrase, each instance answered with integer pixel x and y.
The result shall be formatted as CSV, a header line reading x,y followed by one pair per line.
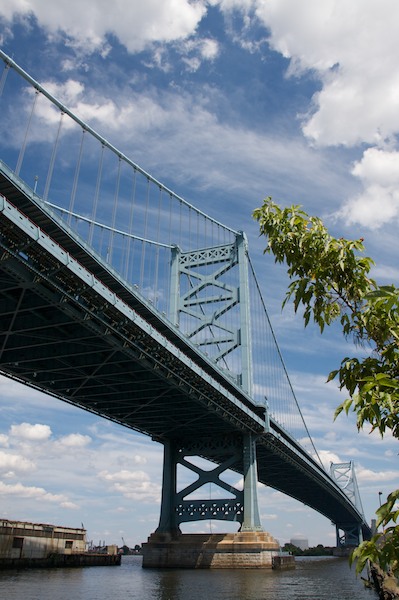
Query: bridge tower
x,y
348,534
206,286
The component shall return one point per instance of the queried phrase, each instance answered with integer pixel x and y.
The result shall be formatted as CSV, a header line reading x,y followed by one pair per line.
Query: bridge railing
x,y
134,224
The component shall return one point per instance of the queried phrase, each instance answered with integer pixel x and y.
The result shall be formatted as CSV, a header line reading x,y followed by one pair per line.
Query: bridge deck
x,y
67,336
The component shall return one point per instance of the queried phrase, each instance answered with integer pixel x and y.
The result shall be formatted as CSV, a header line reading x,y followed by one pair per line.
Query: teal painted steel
x,y
251,521
75,327
348,534
245,315
177,507
181,394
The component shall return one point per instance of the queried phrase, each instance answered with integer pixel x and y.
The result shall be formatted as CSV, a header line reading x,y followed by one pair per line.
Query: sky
x,y
225,102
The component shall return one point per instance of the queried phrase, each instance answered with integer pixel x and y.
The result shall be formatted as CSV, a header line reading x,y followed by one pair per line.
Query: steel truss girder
x,y
348,534
229,452
207,329
115,317
75,292
345,476
192,302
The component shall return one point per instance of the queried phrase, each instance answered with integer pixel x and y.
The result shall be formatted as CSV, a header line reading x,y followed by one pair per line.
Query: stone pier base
x,y
246,550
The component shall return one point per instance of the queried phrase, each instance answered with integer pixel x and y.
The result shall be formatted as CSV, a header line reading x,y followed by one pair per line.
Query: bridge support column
x,y
250,547
349,535
167,522
251,521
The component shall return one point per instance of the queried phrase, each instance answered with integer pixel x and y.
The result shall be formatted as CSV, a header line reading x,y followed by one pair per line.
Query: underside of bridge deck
x,y
60,335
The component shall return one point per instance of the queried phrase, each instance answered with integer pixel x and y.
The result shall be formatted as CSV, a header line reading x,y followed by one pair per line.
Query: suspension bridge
x,y
120,297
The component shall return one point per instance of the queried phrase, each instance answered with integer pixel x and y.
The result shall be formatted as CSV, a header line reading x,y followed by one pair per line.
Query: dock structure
x,y
25,544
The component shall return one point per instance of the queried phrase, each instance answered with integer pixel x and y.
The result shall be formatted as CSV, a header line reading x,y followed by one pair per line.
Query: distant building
x,y
110,549
24,540
300,542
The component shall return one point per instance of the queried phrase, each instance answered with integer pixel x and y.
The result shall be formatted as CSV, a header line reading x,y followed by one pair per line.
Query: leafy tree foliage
x,y
318,550
330,282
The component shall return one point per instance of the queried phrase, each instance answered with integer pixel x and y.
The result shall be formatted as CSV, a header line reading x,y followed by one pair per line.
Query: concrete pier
x,y
243,550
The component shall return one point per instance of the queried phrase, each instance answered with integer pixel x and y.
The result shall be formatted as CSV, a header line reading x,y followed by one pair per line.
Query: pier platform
x,y
246,550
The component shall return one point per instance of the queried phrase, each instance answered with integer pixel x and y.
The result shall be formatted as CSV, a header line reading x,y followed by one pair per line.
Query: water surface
x,y
323,578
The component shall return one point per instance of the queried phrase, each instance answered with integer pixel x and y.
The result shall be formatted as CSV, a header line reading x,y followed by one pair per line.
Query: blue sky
x,y
226,102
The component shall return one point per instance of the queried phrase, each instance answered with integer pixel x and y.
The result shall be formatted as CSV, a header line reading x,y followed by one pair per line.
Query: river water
x,y
313,579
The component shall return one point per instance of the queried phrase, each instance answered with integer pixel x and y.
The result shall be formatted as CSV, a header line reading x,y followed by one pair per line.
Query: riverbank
x,y
386,585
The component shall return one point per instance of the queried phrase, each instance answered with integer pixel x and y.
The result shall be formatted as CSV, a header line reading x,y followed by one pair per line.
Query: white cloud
x,y
15,462
193,63
172,128
328,457
378,203
69,91
137,113
135,485
355,64
135,23
27,431
195,51
351,47
378,167
374,207
37,493
4,440
367,475
69,505
139,460
209,48
269,517
74,440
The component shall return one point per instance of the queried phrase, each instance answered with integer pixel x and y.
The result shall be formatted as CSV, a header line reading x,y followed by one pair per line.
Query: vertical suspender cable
x,y
198,236
283,364
180,224
169,255
4,78
23,147
170,240
100,243
52,159
189,229
96,194
157,250
114,211
76,177
143,248
130,228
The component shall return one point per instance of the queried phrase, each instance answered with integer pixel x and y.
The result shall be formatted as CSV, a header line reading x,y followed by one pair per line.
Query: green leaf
x,y
332,375
330,278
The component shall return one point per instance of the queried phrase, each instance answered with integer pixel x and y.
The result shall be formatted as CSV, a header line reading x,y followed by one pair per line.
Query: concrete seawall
x,y
61,560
